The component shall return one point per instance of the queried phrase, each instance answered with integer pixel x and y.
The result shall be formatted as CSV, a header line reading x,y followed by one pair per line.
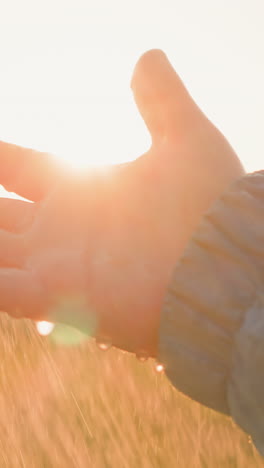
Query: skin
x,y
112,237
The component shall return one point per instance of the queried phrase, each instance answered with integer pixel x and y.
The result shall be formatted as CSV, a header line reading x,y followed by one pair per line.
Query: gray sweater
x,y
212,326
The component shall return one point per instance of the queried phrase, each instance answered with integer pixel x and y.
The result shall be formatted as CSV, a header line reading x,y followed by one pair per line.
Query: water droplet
x,y
104,343
44,328
142,355
159,367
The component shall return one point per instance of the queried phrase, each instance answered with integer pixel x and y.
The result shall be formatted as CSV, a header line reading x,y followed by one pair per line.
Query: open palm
x,y
110,238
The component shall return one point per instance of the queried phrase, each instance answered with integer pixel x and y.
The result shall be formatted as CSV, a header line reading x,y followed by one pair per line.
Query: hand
x,y
109,239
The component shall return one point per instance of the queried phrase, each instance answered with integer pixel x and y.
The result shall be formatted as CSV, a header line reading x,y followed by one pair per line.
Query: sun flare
x,y
97,150
85,157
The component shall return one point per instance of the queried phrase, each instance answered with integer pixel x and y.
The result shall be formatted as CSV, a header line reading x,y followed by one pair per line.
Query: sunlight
x,y
82,156
109,132
79,160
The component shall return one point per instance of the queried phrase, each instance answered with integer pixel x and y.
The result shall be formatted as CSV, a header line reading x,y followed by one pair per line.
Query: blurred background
x,y
65,70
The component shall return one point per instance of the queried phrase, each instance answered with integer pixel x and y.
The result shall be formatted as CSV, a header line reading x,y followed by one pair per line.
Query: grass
x,y
80,407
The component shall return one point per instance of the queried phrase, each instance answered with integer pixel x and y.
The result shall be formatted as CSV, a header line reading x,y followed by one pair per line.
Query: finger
x,y
27,172
161,96
20,294
16,215
12,249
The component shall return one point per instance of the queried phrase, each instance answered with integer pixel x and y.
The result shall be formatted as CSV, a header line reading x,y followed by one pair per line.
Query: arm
x,y
212,324
109,241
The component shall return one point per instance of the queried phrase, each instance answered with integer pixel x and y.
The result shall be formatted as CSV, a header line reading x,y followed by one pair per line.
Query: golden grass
x,y
79,407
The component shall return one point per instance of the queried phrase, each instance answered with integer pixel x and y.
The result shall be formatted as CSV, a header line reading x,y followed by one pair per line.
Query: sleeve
x,y
211,339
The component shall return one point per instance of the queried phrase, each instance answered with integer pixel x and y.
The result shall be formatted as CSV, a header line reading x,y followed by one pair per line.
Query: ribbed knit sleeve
x,y
212,325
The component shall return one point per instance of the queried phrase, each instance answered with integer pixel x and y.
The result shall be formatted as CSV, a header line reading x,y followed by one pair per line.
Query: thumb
x,y
161,97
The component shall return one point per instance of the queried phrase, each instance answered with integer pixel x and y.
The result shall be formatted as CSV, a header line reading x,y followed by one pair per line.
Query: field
x,y
80,407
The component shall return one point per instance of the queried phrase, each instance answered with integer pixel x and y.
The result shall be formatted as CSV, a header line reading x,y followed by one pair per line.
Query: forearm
x,y
211,331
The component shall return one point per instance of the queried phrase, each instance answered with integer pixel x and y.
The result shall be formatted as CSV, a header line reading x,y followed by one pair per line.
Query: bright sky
x,y
66,65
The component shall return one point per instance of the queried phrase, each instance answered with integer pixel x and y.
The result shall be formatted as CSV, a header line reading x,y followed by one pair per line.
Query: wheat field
x,y
80,407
